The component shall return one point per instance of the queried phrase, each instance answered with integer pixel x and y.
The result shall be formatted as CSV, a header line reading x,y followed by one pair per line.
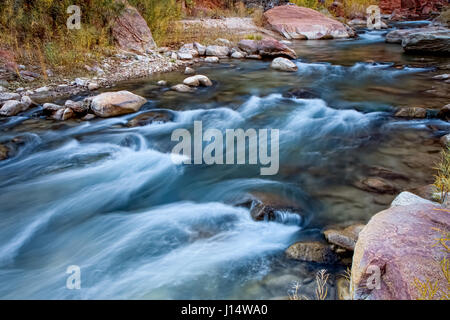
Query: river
x,y
106,197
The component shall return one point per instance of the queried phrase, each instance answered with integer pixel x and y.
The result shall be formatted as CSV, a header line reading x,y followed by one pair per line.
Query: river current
x,y
106,197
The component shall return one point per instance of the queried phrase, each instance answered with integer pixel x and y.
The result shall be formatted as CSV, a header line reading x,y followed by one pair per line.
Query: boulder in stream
x,y
312,251
110,104
411,112
283,64
198,80
217,51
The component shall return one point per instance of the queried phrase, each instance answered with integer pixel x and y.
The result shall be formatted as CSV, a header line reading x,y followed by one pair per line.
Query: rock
x,y
7,59
357,22
9,96
162,83
385,173
312,251
444,113
212,59
411,112
445,140
174,56
78,106
411,9
198,80
217,51
267,48
51,107
88,117
185,55
26,100
237,55
344,237
182,88
150,117
295,22
224,42
248,46
283,64
80,82
131,32
428,192
254,56
200,48
376,185
4,152
428,42
444,76
3,89
63,114
396,36
189,71
93,86
400,243
407,198
112,104
12,108
343,289
274,48
188,50
301,94
42,89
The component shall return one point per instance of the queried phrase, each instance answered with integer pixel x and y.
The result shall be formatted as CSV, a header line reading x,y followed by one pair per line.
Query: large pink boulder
x,y
399,245
295,22
131,32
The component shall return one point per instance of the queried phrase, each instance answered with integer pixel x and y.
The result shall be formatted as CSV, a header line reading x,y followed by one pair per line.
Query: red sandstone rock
x,y
400,242
131,31
295,22
403,9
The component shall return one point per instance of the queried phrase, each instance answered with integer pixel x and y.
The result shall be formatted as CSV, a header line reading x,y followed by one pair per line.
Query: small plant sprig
x,y
321,281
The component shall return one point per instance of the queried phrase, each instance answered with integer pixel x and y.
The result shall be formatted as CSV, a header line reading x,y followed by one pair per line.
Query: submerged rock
x,y
283,64
150,117
377,185
399,244
411,112
301,23
301,94
312,251
4,152
182,88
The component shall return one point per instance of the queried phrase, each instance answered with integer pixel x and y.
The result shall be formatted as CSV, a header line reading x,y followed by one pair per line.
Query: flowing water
x,y
106,196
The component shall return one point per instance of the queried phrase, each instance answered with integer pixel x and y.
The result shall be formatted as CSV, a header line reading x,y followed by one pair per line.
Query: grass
x,y
321,290
442,177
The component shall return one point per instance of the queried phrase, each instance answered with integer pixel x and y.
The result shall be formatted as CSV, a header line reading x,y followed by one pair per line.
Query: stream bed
x,y
106,197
